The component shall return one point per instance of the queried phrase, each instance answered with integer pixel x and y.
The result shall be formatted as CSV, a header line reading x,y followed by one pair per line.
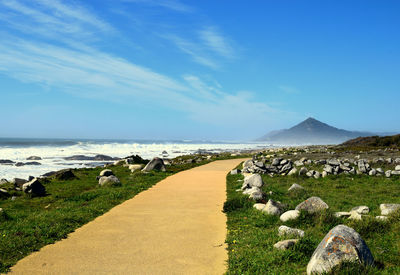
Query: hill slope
x,y
374,141
311,131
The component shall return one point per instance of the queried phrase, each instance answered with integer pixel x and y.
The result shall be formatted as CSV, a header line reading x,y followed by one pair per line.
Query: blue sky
x,y
169,69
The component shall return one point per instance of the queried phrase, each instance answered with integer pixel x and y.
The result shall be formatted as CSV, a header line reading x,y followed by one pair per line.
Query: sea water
x,y
53,152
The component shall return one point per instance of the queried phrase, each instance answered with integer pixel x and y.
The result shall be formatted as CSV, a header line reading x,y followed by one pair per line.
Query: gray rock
x,y
388,173
303,171
286,244
247,163
34,158
380,170
273,208
298,163
317,175
3,181
360,209
235,171
293,171
295,186
135,167
397,160
289,215
259,206
6,161
397,168
328,169
341,244
355,216
382,218
284,161
395,173
324,174
362,166
257,195
254,180
372,172
19,164
34,187
109,181
286,230
155,164
312,205
388,208
106,173
276,162
66,174
333,162
342,214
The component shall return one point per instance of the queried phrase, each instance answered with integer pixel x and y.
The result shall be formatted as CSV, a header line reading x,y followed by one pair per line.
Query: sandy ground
x,y
176,227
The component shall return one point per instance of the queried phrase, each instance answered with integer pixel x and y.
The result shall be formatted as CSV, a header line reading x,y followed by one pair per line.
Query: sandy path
x,y
176,227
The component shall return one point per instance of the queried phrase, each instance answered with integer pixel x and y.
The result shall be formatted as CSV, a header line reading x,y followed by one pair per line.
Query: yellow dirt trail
x,y
176,227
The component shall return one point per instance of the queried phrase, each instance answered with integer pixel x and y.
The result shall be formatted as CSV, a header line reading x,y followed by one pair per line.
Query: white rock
x,y
387,209
286,244
286,230
295,186
382,218
273,208
360,209
259,206
289,215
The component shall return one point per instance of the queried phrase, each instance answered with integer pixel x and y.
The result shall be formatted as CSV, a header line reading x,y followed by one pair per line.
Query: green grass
x,y
27,224
252,234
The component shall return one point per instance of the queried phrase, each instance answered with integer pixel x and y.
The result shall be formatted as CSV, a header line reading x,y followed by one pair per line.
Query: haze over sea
x,y
53,151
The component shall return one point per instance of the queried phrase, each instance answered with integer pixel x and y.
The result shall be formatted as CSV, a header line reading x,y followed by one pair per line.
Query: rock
x,y
362,166
342,214
317,175
257,195
372,172
324,174
109,181
135,167
310,173
259,164
388,173
286,230
382,218
341,244
276,162
355,216
106,173
303,171
295,186
273,208
32,163
259,206
397,160
312,205
388,208
254,180
4,193
34,158
155,164
248,191
248,163
360,209
235,172
34,187
19,164
286,244
289,215
380,170
65,175
18,182
298,163
293,171
333,162
3,181
6,161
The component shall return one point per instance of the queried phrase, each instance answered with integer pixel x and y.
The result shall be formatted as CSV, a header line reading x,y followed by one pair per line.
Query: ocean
x,y
54,151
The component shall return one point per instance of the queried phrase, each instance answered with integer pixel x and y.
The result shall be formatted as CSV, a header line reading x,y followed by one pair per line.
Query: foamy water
x,y
53,155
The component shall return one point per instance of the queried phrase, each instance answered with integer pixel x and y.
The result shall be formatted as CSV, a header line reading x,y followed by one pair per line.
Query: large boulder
x,y
34,188
248,163
341,244
155,164
312,205
109,181
254,180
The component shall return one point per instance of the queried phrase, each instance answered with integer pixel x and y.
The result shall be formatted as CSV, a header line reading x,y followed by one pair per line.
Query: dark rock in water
x,y
34,158
97,158
30,178
19,164
164,152
65,175
34,188
341,244
155,164
6,161
33,163
18,182
104,157
78,157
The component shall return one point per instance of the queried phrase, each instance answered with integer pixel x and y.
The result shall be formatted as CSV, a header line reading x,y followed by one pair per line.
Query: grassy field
x,y
27,224
252,234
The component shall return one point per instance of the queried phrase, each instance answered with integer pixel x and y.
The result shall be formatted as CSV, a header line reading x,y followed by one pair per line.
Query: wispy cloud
x,y
174,5
216,42
288,89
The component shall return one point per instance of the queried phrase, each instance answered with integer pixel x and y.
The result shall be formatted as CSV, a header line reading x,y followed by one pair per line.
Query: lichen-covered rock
x,y
254,180
286,230
312,205
341,244
295,186
155,164
34,188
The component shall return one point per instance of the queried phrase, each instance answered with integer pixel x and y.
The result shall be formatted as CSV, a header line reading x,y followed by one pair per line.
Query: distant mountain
x,y
312,131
